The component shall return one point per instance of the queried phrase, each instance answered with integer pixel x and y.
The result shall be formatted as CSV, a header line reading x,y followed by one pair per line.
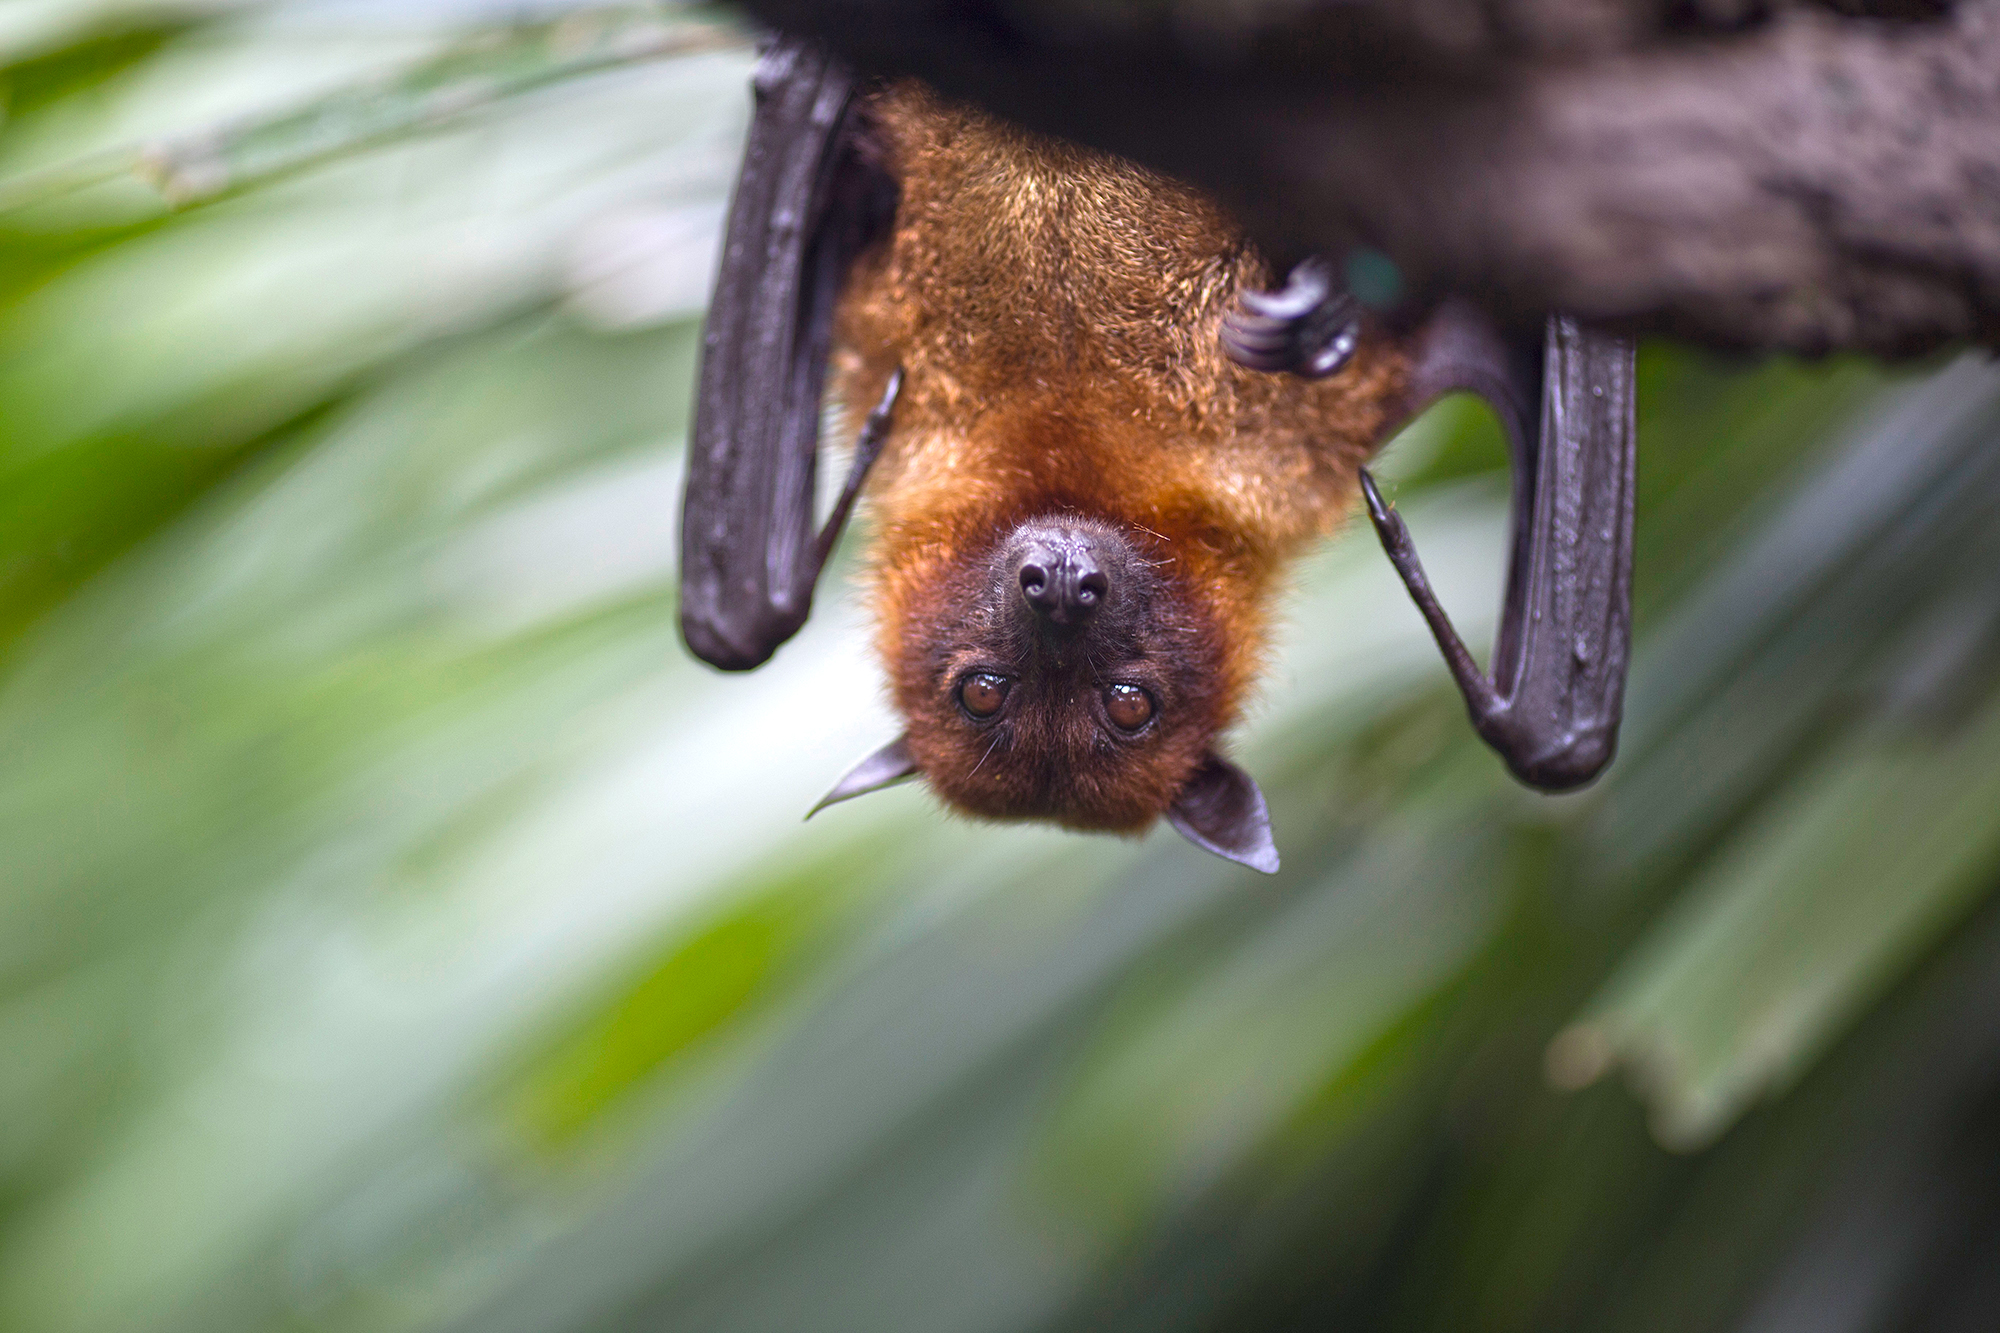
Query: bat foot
x,y
1306,328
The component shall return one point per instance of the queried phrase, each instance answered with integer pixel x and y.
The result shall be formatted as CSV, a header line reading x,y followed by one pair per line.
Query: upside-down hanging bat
x,y
1095,445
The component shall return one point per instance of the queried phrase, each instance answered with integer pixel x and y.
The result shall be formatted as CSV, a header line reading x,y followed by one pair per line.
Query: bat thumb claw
x,y
1387,521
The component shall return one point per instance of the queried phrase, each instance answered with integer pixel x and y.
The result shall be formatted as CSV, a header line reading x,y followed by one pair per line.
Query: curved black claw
x,y
1306,328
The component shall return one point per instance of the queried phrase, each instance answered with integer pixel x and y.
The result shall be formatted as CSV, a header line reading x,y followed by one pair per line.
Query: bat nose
x,y
1066,587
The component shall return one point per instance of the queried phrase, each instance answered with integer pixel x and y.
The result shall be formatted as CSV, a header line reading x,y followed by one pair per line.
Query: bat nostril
x,y
1038,589
1062,579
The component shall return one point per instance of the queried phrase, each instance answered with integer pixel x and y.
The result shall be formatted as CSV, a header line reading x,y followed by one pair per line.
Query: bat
x,y
1092,439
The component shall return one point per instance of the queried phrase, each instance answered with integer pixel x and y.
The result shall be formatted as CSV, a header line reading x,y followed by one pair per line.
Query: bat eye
x,y
1129,706
982,695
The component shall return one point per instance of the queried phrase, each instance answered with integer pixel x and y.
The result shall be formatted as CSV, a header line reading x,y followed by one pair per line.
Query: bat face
x,y
1058,672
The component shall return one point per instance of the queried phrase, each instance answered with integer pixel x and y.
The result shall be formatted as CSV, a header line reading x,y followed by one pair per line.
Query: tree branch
x,y
1759,175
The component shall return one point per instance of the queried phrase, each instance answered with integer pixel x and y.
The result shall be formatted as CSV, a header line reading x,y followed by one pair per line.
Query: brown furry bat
x,y
1084,495
1069,423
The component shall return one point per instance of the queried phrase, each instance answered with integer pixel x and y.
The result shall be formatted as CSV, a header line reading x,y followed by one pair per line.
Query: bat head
x,y
1063,672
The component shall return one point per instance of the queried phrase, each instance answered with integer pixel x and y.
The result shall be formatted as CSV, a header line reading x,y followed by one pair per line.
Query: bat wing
x,y
1552,705
811,196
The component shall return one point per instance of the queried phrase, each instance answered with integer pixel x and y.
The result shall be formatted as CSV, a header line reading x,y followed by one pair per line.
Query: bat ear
x,y
885,768
1221,810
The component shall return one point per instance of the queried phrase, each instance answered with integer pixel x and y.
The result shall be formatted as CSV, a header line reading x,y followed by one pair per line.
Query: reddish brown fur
x,y
1056,315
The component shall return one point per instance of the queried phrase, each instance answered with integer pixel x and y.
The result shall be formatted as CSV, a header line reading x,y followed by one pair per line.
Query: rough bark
x,y
1748,173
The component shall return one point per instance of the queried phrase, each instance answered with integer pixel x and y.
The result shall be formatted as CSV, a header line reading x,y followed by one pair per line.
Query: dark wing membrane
x,y
1566,630
1553,704
809,199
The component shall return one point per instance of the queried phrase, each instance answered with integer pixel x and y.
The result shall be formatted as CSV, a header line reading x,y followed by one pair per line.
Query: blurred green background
x,y
399,932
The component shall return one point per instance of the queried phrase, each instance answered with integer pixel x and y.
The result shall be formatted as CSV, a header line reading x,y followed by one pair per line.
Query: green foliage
x,y
398,931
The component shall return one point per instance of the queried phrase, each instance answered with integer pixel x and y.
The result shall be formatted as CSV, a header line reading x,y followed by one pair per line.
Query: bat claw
x,y
1305,291
1305,328
1255,330
1254,348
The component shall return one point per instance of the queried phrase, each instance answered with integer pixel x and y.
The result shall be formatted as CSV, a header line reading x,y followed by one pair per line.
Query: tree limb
x,y
1799,176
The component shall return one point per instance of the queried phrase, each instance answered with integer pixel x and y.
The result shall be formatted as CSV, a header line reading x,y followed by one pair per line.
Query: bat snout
x,y
1065,583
